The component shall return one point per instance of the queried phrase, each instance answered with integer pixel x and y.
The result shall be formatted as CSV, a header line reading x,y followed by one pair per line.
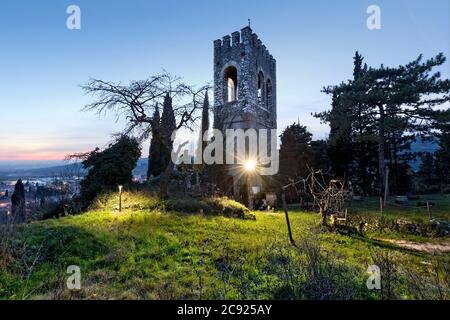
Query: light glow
x,y
250,166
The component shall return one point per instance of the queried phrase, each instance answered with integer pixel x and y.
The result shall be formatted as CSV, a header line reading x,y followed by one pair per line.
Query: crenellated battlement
x,y
241,39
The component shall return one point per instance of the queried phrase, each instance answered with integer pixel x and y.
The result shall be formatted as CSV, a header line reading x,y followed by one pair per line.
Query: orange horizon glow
x,y
30,155
41,156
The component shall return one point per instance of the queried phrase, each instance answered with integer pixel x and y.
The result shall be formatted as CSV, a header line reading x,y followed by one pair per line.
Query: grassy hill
x,y
151,250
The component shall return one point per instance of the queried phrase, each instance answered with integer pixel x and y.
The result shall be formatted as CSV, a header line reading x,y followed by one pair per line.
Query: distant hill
x,y
422,146
60,170
55,171
141,168
425,146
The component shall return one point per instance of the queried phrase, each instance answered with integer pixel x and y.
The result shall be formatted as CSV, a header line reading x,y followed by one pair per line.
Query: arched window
x,y
260,87
268,94
231,78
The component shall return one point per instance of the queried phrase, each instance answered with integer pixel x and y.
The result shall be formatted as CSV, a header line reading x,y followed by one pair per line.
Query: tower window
x,y
268,94
231,78
260,87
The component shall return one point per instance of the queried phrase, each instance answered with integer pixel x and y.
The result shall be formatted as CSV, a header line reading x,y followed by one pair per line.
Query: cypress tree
x,y
168,126
154,157
18,202
205,119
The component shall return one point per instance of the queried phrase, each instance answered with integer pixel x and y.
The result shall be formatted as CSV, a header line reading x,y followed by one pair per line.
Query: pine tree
x,y
443,159
427,171
386,96
340,139
295,152
351,146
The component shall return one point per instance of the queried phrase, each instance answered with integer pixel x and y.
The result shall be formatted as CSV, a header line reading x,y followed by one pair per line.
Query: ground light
x,y
120,198
250,166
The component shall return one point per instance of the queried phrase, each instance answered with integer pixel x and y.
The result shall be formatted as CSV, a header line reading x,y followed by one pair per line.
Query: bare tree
x,y
137,103
329,194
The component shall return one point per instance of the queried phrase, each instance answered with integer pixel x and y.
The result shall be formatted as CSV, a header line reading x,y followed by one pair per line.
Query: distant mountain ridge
x,y
73,169
424,147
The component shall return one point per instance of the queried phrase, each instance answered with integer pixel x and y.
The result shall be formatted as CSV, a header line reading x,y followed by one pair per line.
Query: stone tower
x,y
244,87
244,83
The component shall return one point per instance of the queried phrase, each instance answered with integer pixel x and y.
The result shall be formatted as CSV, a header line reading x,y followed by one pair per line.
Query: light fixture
x,y
120,198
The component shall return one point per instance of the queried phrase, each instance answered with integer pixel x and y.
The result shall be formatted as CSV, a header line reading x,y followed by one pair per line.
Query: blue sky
x,y
42,63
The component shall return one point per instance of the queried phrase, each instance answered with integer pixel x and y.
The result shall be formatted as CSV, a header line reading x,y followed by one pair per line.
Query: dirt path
x,y
424,247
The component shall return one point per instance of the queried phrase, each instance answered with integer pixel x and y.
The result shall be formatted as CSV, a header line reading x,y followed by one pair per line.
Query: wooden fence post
x,y
283,197
429,211
381,205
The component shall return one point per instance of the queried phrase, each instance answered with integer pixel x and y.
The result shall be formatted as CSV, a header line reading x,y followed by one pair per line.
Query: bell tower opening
x,y
260,88
231,78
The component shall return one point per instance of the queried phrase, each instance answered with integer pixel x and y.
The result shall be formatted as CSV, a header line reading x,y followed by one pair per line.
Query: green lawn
x,y
413,212
147,252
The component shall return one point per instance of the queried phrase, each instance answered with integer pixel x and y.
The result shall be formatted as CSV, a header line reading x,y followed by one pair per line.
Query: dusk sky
x,y
42,63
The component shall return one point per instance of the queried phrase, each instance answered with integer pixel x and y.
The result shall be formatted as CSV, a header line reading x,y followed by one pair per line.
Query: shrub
x,y
149,201
109,168
387,262
372,223
230,208
187,205
6,251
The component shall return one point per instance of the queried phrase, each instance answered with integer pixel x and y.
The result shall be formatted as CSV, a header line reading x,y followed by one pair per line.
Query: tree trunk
x,y
149,163
381,166
381,152
323,213
164,183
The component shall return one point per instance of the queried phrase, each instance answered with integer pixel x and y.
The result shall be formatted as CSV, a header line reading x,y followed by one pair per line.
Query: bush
x,y
149,201
372,223
187,205
215,206
109,168
7,232
230,208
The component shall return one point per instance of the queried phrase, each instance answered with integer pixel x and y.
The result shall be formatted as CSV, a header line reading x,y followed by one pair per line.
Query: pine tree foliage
x,y
379,113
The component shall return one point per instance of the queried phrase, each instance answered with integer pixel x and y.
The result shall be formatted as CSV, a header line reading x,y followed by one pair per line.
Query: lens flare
x,y
250,165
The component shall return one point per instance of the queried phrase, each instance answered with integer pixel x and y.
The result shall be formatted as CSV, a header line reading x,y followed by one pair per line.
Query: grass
x,y
151,251
412,212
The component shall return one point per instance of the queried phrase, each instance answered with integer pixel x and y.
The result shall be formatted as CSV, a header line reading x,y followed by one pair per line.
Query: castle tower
x,y
244,86
244,83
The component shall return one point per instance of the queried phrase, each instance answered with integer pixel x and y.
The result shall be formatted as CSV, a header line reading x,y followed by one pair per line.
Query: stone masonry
x,y
251,59
244,89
